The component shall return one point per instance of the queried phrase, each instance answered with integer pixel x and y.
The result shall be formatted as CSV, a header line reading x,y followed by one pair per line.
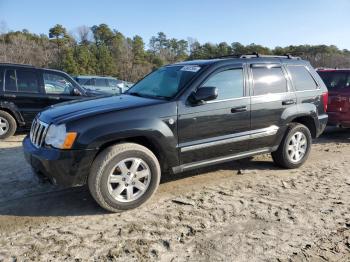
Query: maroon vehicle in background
x,y
338,84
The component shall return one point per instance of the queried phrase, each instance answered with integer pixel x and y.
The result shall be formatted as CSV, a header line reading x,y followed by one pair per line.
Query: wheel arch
x,y
307,121
145,141
13,111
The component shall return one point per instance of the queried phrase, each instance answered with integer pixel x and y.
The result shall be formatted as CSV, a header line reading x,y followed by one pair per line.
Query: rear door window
x,y
335,79
27,81
302,79
268,80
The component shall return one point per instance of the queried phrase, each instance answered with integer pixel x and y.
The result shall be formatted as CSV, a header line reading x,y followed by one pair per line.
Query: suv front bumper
x,y
63,167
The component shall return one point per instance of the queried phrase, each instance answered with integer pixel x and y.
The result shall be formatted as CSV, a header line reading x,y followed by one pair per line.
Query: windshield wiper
x,y
134,94
147,96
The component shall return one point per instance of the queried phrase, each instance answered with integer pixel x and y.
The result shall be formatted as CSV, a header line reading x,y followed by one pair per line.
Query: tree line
x,y
100,50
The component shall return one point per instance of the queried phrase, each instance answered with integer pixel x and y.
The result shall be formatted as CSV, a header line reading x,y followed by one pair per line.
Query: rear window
x,y
302,78
335,79
269,80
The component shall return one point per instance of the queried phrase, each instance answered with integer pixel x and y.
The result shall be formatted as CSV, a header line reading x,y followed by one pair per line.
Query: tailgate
x,y
339,101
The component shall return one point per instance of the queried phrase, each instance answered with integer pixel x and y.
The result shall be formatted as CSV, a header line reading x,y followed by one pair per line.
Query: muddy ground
x,y
246,210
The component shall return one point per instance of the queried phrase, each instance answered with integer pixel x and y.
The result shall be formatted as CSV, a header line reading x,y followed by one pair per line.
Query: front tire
x,y
124,176
8,125
295,147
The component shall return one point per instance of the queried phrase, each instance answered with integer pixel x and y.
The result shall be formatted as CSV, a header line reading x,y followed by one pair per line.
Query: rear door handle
x,y
288,102
239,109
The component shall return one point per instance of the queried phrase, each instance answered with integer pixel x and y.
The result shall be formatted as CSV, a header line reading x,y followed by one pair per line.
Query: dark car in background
x,y
26,90
180,117
338,84
106,84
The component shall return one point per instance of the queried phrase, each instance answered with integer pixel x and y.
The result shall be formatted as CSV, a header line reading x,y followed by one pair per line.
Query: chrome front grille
x,y
38,132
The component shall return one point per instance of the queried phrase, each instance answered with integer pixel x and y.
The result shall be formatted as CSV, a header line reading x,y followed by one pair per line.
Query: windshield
x,y
166,82
335,80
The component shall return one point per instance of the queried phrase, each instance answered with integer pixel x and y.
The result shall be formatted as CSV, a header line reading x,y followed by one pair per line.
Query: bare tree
x,y
83,34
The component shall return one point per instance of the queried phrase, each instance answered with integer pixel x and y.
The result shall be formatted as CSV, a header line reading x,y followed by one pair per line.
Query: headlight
x,y
58,137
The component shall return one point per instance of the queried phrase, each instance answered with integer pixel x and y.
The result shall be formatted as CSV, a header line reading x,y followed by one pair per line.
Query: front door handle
x,y
288,102
239,109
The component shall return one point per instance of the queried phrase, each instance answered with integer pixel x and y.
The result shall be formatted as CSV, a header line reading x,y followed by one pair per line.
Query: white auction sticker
x,y
191,68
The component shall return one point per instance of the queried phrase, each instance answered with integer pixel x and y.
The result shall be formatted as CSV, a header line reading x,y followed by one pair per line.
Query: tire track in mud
x,y
262,215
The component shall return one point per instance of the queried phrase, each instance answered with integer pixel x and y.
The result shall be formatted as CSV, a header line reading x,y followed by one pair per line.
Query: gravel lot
x,y
246,210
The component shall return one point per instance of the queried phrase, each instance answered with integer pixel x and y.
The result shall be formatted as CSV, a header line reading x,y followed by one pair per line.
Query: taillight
x,y
325,101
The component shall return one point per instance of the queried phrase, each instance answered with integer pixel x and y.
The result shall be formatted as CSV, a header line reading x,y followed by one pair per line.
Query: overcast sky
x,y
269,22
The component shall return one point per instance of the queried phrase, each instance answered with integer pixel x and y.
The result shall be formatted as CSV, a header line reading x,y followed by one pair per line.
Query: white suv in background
x,y
101,83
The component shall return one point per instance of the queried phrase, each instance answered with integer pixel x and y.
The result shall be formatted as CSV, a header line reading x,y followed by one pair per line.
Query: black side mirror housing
x,y
203,94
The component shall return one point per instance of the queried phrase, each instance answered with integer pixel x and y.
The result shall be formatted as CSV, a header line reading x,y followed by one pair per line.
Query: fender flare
x,y
13,110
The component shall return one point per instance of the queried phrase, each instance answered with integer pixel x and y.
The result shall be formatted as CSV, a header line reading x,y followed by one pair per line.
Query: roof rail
x,y
257,55
226,56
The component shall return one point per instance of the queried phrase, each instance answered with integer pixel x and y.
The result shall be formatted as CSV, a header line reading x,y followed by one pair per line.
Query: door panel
x,y
216,128
266,113
271,96
212,130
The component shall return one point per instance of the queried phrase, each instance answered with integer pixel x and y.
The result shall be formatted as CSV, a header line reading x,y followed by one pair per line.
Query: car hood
x,y
73,110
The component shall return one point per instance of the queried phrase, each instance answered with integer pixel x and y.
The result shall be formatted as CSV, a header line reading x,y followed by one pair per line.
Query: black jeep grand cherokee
x,y
180,117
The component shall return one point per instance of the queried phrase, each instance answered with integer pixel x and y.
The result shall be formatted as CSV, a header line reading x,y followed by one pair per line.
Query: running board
x,y
218,160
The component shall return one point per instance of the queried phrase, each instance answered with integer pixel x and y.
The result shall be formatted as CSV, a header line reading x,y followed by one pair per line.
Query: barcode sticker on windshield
x,y
191,68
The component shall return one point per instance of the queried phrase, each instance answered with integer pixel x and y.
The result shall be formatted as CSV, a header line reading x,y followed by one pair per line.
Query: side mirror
x,y
76,92
204,94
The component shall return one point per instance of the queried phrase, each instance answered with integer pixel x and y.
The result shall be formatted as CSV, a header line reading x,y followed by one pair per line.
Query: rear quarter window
x,y
301,78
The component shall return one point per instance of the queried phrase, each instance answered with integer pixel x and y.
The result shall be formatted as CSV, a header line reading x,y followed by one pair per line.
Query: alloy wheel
x,y
129,179
4,126
297,146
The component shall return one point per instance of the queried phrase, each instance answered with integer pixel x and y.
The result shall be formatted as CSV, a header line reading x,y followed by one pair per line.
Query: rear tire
x,y
8,125
124,176
295,147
